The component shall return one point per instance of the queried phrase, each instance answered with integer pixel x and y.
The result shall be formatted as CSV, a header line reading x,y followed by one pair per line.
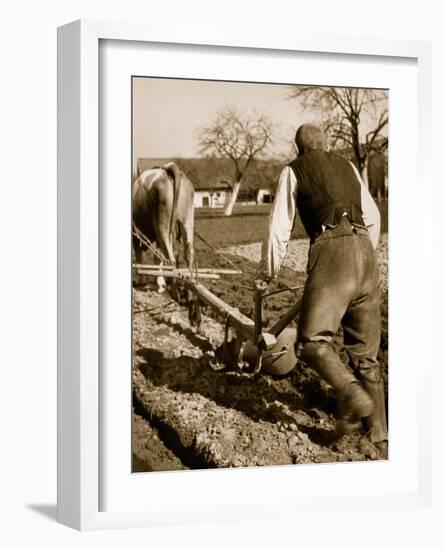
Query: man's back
x,y
328,189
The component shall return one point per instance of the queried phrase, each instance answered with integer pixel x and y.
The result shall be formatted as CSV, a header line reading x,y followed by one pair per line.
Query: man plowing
x,y
342,287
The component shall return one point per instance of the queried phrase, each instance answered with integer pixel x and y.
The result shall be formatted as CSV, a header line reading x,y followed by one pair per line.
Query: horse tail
x,y
174,173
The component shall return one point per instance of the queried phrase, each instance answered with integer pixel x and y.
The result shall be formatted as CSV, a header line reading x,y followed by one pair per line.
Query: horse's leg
x,y
166,249
138,259
187,237
161,284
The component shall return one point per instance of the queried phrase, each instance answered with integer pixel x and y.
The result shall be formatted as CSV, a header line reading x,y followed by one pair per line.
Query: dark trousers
x,y
343,288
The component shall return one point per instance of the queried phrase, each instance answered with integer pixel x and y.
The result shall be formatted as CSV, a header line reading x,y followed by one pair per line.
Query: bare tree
x,y
342,111
238,137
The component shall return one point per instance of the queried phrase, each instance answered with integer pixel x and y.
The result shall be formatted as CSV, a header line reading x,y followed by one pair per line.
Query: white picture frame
x,y
79,294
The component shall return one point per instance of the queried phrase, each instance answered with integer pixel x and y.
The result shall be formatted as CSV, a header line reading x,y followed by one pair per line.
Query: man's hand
x,y
260,284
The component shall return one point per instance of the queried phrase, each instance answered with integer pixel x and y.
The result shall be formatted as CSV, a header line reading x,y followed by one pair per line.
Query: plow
x,y
247,345
211,376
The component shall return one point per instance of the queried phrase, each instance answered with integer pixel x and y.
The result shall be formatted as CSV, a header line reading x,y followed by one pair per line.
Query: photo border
x,y
79,259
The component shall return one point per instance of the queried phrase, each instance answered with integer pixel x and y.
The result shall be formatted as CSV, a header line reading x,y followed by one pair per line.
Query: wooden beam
x,y
175,275
240,322
186,270
286,319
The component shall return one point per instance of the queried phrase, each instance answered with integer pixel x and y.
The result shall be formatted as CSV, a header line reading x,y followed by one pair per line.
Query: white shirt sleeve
x,y
281,222
370,211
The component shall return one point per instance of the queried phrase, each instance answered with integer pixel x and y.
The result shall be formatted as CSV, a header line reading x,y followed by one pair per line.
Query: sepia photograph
x,y
259,274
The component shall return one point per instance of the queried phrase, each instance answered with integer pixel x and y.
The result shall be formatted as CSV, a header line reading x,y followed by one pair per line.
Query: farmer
x,y
342,286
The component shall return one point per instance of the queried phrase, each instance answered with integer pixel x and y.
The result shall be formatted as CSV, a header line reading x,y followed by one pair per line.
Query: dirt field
x,y
190,412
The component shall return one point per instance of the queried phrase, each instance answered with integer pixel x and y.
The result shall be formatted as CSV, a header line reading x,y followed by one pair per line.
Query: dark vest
x,y
327,189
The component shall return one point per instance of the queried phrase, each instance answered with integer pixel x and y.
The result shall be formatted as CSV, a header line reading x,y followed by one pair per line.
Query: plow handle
x,y
260,288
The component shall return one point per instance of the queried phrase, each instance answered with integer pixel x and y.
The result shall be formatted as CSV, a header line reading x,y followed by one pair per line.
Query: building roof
x,y
213,186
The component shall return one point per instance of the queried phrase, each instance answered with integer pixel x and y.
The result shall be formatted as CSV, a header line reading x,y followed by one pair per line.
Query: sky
x,y
168,113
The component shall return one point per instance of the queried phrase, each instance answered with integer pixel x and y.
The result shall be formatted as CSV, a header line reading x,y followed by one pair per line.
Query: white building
x,y
212,195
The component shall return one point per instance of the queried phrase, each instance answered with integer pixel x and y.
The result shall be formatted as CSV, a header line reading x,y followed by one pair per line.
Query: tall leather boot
x,y
371,378
353,401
